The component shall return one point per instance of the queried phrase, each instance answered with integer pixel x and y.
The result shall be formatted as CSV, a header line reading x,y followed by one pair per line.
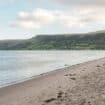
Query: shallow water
x,y
16,66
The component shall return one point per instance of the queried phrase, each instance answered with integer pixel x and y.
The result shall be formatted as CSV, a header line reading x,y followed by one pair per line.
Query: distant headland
x,y
93,40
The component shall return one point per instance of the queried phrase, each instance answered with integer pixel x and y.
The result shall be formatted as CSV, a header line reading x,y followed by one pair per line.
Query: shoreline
x,y
12,79
46,73
49,88
34,77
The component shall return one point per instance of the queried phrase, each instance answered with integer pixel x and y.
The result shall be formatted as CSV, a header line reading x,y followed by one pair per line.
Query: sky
x,y
22,19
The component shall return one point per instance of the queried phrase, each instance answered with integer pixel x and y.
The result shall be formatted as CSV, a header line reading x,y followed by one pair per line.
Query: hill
x,y
94,40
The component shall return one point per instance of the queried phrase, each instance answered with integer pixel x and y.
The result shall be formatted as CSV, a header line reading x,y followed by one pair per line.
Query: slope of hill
x,y
57,42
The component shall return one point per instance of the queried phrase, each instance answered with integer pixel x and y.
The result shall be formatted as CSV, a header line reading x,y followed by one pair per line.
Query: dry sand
x,y
82,84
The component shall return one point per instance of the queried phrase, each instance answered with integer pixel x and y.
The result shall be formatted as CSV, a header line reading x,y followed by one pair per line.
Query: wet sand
x,y
81,84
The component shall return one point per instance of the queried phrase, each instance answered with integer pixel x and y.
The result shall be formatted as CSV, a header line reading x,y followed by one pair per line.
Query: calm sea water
x,y
16,66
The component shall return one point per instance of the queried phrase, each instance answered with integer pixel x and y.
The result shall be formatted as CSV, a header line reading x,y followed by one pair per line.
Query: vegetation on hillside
x,y
57,42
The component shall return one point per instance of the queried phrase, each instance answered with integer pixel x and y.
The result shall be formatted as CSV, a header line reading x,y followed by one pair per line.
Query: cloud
x,y
93,15
76,18
82,2
68,3
42,17
35,19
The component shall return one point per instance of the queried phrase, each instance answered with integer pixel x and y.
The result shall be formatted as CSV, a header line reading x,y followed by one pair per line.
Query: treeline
x,y
57,42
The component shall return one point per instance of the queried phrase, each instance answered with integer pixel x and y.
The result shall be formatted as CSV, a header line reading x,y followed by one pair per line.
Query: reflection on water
x,y
19,65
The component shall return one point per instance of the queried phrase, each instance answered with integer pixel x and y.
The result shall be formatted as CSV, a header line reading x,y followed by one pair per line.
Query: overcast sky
x,y
27,18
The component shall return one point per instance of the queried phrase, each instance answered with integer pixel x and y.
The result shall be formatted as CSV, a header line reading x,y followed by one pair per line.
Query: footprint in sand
x,y
60,93
59,96
83,70
71,76
98,66
49,100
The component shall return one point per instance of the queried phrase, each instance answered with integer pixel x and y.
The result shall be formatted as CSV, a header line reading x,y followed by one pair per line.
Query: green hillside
x,y
94,40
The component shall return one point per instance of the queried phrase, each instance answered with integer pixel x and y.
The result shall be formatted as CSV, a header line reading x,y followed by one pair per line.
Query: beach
x,y
81,84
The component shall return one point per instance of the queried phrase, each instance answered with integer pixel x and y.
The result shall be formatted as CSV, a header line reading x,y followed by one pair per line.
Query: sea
x,y
19,66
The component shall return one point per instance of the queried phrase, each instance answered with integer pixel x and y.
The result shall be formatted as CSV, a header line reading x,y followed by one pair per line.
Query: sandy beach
x,y
81,84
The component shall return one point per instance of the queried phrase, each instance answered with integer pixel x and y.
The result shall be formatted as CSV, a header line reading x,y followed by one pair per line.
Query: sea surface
x,y
17,66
